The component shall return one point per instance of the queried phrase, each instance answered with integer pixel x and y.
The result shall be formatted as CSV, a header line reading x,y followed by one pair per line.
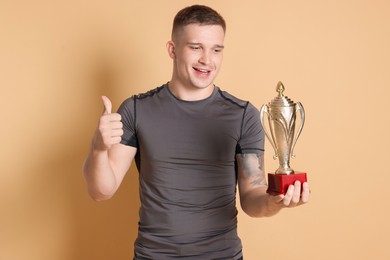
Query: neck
x,y
190,93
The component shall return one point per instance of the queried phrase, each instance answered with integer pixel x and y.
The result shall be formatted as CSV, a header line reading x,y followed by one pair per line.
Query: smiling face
x,y
196,51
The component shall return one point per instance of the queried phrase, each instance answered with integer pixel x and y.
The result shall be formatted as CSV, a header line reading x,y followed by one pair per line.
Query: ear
x,y
171,49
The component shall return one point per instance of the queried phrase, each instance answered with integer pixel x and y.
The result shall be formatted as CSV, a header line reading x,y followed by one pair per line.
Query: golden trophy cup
x,y
281,114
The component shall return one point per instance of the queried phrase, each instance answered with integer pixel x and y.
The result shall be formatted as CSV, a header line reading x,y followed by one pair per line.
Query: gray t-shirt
x,y
186,159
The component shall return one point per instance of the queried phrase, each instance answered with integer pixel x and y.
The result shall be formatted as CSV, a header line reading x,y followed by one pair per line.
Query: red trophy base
x,y
278,183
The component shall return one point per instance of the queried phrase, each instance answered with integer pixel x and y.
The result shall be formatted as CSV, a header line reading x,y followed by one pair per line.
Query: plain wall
x,y
58,57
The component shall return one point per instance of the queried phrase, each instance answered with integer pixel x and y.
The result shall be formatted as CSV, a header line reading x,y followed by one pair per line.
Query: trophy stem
x,y
284,170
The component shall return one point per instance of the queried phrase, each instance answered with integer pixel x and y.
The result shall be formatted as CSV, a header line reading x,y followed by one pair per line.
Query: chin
x,y
202,86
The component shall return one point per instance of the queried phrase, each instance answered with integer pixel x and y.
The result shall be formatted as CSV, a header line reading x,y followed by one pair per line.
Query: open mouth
x,y
202,71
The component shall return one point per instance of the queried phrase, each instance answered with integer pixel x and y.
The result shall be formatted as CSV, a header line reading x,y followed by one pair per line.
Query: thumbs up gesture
x,y
110,128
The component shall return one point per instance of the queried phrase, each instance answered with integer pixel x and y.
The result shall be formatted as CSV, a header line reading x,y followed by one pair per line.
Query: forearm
x,y
99,175
255,201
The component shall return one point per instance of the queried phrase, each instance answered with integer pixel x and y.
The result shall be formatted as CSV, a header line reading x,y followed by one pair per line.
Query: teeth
x,y
204,71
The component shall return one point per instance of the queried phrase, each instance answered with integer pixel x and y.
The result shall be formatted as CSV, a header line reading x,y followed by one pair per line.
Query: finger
x,y
115,117
288,196
297,193
116,140
107,105
110,121
305,193
116,125
117,133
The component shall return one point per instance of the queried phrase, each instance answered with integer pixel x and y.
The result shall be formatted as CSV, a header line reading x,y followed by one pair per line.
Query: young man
x,y
192,143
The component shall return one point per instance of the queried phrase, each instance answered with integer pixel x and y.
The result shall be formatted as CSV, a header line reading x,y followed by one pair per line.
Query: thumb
x,y
107,105
277,198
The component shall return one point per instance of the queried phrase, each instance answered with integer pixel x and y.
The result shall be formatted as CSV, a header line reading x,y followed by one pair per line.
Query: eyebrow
x,y
215,46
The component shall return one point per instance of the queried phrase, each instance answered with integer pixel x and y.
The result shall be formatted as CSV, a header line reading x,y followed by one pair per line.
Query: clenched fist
x,y
110,128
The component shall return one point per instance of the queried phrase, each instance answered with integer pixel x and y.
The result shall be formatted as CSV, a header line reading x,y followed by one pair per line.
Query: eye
x,y
218,50
194,47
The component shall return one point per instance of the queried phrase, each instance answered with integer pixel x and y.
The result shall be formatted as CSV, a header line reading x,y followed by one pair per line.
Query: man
x,y
192,143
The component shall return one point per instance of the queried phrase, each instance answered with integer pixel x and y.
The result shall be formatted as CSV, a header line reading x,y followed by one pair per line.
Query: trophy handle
x,y
263,111
298,107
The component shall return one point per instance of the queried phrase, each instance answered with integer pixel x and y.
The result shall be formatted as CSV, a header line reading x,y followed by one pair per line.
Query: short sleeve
x,y
252,134
127,112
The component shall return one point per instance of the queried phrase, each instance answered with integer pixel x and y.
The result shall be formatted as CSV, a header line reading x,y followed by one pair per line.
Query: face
x,y
197,54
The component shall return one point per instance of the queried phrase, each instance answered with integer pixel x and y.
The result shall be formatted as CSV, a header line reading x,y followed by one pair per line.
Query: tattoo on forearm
x,y
257,181
252,167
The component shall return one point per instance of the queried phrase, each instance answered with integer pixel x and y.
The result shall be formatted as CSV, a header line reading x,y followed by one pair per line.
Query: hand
x,y
293,196
110,128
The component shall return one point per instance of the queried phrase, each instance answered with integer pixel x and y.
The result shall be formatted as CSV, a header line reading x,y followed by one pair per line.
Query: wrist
x,y
97,145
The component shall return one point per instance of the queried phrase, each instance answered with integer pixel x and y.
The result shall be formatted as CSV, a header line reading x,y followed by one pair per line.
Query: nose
x,y
205,58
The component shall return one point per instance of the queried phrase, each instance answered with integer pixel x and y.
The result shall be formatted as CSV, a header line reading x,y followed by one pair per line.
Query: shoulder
x,y
226,96
246,105
130,102
149,93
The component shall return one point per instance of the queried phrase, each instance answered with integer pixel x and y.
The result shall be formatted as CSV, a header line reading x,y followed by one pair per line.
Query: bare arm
x,y
105,170
252,184
107,161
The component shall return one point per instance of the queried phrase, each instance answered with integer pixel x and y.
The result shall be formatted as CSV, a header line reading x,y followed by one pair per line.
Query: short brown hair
x,y
197,14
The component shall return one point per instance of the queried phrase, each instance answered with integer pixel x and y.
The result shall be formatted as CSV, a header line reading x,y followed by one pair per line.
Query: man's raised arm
x,y
107,161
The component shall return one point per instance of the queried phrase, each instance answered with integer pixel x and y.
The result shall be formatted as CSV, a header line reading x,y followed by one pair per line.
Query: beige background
x,y
58,57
